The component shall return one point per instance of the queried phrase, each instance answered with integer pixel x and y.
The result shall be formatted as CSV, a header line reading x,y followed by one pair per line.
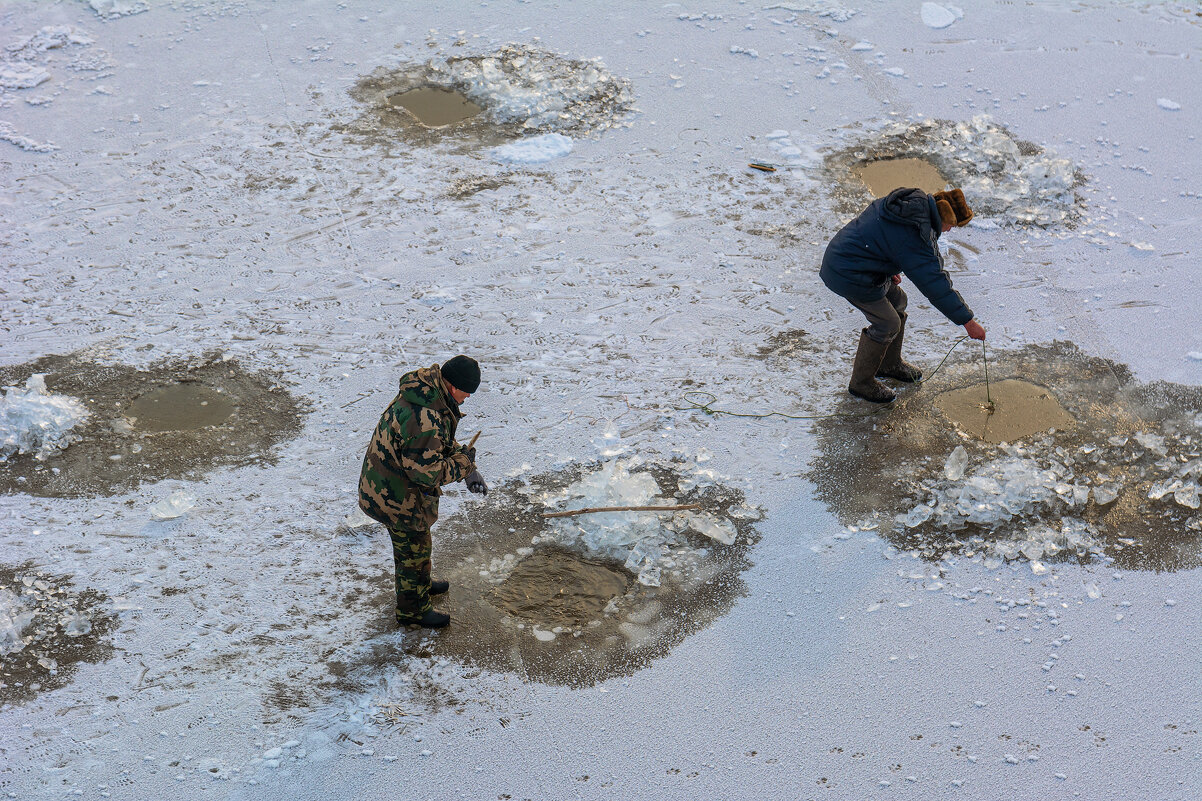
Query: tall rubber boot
x,y
868,360
893,366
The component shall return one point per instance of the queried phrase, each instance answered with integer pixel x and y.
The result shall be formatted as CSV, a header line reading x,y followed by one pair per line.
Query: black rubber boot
x,y
430,620
893,366
439,587
868,361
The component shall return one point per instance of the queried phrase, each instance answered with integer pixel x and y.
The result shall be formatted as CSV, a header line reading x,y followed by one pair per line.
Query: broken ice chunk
x,y
957,462
918,515
1104,495
722,531
1162,488
1187,496
76,625
650,576
175,505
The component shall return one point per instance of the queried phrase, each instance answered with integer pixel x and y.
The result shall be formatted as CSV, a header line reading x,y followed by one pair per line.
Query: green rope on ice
x,y
947,356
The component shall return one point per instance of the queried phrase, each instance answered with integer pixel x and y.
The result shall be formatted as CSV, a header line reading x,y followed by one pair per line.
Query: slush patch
x,y
47,627
127,426
576,600
434,106
1003,411
883,176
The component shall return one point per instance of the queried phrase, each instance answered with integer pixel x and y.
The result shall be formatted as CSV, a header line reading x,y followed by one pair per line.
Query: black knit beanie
x,y
463,373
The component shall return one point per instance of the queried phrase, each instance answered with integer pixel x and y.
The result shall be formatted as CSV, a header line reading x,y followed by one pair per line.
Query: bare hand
x,y
975,330
895,279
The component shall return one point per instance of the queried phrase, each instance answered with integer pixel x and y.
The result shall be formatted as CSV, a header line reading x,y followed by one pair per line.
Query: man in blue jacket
x,y
896,234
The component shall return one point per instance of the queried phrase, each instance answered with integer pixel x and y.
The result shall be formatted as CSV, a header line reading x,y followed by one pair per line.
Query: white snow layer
x,y
534,150
32,420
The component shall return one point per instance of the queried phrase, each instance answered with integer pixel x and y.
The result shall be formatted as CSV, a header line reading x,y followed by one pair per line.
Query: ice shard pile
x,y
646,543
1042,500
1006,181
32,420
539,90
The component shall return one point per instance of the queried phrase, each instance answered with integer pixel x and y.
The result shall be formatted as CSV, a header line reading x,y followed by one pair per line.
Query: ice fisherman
x,y
896,234
412,455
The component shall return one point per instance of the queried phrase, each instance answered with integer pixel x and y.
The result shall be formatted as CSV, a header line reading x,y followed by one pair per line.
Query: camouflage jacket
x,y
413,453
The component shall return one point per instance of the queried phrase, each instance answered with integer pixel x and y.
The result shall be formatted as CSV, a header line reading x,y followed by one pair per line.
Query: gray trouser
x,y
884,315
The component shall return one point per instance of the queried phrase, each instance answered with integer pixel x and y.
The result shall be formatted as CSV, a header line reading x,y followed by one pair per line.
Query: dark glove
x,y
471,454
475,483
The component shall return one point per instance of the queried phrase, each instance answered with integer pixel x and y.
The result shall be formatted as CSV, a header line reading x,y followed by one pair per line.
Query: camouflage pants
x,y
411,550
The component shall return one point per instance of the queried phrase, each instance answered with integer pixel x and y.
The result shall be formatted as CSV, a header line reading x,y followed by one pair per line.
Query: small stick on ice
x,y
591,509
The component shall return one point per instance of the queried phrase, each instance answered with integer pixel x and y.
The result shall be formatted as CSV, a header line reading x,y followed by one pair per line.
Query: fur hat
x,y
953,208
463,373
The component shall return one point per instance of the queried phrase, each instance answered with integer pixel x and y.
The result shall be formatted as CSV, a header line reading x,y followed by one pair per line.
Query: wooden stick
x,y
590,510
476,437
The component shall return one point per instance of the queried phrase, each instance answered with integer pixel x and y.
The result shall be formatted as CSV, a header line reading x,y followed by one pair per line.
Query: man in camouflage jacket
x,y
412,454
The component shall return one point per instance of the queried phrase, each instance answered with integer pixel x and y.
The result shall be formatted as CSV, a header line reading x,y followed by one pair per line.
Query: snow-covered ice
x,y
193,178
534,150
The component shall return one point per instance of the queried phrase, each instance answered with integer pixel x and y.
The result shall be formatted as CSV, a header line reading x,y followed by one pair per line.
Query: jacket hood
x,y
424,387
912,207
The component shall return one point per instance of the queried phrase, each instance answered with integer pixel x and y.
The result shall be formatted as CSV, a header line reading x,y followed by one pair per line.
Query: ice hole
x,y
558,588
883,176
1019,409
435,106
180,407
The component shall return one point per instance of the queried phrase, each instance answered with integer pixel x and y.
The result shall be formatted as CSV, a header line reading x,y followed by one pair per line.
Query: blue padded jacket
x,y
898,233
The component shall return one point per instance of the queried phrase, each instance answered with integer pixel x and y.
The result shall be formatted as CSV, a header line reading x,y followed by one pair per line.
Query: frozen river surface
x,y
224,207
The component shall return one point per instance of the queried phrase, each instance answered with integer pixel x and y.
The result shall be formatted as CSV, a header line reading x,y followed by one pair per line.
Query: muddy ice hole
x,y
489,98
1112,470
884,175
1004,178
1003,411
576,600
434,106
74,428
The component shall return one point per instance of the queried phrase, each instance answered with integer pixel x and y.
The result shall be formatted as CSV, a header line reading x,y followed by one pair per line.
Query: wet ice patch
x,y
46,628
573,600
1123,483
140,425
535,150
35,421
1011,181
